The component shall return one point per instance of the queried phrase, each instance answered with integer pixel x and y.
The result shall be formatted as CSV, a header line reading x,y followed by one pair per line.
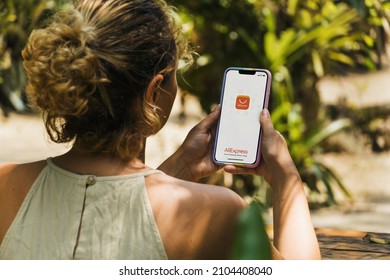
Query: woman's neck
x,y
100,164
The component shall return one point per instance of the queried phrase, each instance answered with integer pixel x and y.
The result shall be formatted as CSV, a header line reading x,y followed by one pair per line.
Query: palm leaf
x,y
336,179
326,132
323,177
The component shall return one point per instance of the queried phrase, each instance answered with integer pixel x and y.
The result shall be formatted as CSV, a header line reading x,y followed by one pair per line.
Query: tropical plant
x,y
17,18
318,40
306,145
300,42
376,15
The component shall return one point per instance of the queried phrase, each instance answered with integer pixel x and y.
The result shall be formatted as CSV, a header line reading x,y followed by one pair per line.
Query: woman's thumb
x,y
266,123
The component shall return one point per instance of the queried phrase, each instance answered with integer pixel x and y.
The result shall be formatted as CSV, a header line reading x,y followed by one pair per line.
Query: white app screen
x,y
239,127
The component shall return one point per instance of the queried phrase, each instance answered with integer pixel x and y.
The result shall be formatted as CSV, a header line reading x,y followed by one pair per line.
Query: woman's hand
x,y
193,160
275,157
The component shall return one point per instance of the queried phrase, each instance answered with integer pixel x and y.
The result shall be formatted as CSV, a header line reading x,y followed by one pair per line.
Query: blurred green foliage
x,y
251,239
17,19
300,42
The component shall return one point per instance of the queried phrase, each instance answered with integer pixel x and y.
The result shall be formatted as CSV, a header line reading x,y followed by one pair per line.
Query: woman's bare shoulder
x,y
15,182
12,174
196,216
196,193
5,168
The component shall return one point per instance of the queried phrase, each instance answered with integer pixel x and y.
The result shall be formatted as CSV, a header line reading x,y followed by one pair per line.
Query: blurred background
x,y
330,94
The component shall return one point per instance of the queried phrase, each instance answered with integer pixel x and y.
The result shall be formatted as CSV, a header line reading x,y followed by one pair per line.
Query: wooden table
x,y
337,244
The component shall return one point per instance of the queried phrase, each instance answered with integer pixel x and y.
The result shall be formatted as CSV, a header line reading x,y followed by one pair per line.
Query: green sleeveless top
x,y
71,216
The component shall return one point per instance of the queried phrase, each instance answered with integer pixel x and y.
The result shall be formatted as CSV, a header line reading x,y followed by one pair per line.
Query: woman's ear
x,y
152,91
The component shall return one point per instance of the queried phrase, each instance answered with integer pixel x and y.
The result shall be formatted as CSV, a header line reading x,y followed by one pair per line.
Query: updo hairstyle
x,y
88,70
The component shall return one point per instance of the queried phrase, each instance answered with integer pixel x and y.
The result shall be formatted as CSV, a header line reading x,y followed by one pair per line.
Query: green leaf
x,y
305,19
286,38
270,45
370,42
251,240
279,112
269,19
337,180
340,57
317,63
292,7
323,176
327,131
312,183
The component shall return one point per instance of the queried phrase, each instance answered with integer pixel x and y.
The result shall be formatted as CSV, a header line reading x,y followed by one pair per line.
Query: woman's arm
x,y
193,160
294,235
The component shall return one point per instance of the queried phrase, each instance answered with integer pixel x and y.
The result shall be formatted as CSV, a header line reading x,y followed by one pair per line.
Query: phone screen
x,y
245,93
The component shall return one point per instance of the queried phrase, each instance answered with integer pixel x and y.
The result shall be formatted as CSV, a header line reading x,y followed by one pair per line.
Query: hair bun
x,y
61,68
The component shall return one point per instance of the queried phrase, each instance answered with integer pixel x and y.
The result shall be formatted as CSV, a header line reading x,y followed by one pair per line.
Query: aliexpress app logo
x,y
242,102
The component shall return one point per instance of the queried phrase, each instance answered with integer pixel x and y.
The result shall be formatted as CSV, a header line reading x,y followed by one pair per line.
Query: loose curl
x,y
88,70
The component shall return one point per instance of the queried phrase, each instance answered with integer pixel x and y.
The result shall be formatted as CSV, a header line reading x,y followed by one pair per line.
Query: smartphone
x,y
245,93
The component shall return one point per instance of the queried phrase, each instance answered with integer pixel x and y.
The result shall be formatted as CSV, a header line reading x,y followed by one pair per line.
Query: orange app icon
x,y
242,102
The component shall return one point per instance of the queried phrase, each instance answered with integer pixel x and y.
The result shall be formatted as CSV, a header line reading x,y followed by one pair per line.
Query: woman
x,y
103,75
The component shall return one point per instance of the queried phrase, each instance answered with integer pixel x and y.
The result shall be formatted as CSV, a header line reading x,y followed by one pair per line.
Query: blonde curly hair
x,y
88,70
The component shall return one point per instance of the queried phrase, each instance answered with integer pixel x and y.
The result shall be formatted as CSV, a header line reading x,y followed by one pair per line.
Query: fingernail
x,y
265,114
215,107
